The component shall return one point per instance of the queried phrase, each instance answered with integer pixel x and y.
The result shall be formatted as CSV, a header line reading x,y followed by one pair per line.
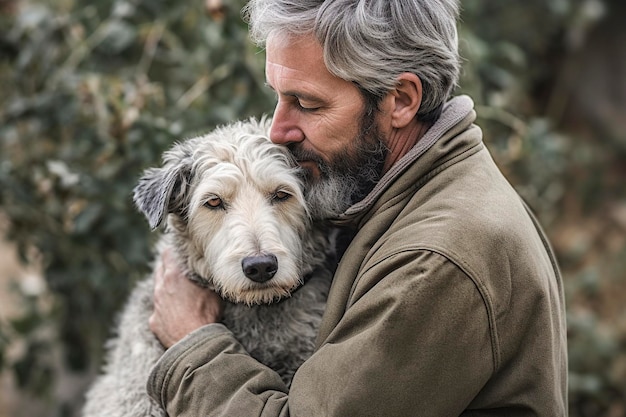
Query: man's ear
x,y
407,98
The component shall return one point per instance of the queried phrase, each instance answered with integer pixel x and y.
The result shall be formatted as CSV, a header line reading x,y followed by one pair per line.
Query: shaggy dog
x,y
236,217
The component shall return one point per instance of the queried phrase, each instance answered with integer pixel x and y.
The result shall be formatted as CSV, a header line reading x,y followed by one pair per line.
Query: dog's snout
x,y
260,268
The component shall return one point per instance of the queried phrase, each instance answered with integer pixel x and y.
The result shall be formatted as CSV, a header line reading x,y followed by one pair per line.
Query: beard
x,y
348,177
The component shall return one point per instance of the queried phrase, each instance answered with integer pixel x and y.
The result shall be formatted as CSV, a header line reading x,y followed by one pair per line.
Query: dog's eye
x,y
214,203
280,196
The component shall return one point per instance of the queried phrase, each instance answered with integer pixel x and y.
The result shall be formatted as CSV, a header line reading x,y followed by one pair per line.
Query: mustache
x,y
299,153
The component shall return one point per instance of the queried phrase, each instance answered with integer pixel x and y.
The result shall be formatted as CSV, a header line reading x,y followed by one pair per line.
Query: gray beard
x,y
345,180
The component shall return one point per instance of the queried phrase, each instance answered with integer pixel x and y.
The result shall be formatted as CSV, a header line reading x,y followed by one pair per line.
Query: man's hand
x,y
180,306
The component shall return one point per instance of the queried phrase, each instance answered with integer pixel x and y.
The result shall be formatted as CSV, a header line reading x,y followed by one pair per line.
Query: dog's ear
x,y
161,191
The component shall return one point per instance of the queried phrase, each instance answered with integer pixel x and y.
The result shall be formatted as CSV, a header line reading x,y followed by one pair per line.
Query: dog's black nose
x,y
260,268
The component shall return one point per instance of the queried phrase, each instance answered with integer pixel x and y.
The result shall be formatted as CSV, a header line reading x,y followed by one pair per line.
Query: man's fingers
x,y
180,306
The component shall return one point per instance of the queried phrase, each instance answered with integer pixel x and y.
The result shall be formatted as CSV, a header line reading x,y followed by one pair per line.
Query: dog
x,y
235,213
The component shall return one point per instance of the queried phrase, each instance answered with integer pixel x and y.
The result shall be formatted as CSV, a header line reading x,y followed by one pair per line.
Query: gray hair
x,y
371,42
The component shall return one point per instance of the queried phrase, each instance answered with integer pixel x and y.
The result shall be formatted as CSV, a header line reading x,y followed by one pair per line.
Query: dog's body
x,y
237,220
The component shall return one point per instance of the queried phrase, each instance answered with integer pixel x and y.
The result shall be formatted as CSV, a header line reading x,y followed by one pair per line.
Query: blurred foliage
x,y
569,167
93,92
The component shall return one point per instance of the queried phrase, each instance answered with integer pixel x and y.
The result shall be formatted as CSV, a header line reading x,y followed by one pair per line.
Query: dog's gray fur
x,y
281,334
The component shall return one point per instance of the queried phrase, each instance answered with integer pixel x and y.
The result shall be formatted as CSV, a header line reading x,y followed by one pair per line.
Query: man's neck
x,y
402,140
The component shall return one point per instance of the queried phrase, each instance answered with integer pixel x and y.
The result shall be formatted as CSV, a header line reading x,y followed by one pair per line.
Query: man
x,y
448,300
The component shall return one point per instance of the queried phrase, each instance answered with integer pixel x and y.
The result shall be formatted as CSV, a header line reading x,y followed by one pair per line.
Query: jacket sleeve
x,y
414,340
209,373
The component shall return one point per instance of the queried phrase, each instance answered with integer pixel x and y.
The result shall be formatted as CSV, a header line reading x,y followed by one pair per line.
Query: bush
x,y
94,93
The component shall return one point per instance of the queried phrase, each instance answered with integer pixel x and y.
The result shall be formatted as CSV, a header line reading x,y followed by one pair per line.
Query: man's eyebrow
x,y
298,94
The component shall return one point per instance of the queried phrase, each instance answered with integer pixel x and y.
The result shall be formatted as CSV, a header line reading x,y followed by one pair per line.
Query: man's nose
x,y
285,129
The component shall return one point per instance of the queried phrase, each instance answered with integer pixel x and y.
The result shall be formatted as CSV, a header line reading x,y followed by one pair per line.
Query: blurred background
x,y
91,93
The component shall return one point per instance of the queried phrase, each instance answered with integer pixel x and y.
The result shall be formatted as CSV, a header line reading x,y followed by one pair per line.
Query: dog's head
x,y
235,204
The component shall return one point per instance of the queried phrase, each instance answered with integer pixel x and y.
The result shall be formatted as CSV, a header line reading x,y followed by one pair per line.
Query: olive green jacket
x,y
448,302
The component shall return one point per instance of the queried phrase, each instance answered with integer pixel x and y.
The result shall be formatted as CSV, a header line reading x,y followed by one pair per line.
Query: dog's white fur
x,y
226,196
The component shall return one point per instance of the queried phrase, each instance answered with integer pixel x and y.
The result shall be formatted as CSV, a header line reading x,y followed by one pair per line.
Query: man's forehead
x,y
295,52
297,62
295,66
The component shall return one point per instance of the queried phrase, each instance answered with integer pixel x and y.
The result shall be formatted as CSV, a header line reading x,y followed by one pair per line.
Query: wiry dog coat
x,y
236,218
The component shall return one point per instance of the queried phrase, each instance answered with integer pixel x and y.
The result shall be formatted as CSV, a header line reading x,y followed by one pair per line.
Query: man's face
x,y
323,121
